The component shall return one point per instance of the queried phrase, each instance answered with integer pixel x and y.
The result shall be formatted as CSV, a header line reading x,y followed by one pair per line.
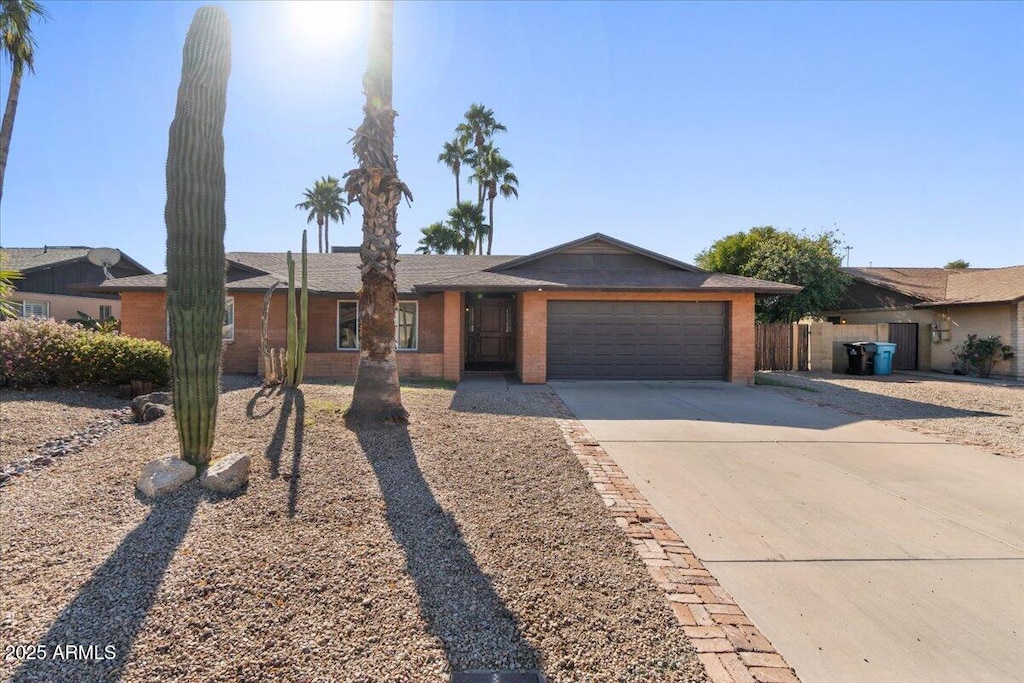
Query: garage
x,y
636,340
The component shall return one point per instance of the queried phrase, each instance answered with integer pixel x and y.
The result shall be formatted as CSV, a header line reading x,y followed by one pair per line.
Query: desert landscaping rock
x,y
141,405
227,474
470,540
165,475
153,411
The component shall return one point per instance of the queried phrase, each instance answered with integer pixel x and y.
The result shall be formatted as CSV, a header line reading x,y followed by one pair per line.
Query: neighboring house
x,y
932,310
55,281
595,308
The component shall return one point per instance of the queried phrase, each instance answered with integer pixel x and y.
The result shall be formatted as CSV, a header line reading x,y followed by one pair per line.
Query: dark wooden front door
x,y
904,336
489,330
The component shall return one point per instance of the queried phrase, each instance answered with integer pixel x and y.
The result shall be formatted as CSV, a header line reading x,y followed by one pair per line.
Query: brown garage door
x,y
636,340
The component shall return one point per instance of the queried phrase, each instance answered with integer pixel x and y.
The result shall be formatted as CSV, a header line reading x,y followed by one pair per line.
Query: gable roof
x,y
338,273
947,287
29,259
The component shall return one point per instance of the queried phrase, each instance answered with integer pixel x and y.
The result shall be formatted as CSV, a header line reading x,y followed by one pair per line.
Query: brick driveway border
x,y
731,647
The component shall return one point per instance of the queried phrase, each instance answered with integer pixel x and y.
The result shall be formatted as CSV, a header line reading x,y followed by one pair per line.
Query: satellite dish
x,y
104,257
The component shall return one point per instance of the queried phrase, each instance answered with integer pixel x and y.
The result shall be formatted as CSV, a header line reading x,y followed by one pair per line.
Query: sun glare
x,y
319,23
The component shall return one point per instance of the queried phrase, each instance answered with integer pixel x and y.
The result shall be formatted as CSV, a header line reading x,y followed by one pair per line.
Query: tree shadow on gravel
x,y
457,600
110,608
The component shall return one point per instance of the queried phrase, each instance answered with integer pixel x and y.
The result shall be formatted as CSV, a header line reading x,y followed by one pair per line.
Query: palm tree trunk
x,y
458,197
490,225
377,395
319,234
327,234
7,128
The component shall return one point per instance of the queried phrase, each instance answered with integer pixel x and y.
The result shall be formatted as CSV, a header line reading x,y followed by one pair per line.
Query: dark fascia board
x,y
590,238
943,304
430,288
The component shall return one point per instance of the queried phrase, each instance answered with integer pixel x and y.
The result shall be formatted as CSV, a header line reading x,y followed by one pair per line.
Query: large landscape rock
x,y
140,405
163,475
226,474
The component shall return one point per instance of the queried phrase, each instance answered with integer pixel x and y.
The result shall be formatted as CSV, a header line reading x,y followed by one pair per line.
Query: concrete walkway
x,y
862,551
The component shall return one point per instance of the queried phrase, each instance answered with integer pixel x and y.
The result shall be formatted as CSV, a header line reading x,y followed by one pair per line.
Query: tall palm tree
x,y
478,129
19,46
324,203
494,174
453,155
377,395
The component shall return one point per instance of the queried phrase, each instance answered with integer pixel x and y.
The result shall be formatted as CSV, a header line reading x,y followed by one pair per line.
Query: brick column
x,y
453,336
534,323
744,340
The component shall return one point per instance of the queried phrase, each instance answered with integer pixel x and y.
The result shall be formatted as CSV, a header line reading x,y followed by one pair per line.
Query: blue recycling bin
x,y
884,352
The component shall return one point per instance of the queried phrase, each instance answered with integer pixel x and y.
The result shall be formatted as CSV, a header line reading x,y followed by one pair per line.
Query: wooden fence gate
x,y
775,342
904,336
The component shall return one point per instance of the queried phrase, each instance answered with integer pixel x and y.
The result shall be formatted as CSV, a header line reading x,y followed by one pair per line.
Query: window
x,y
227,329
348,325
406,325
35,309
105,313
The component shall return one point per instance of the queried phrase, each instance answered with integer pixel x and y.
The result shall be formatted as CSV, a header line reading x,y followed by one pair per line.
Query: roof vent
x,y
344,250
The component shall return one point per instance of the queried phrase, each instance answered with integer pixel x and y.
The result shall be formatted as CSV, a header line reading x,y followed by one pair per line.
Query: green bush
x,y
977,355
45,352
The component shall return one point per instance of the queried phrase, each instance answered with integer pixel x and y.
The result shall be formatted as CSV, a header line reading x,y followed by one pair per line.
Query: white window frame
x,y
229,303
109,313
337,325
25,313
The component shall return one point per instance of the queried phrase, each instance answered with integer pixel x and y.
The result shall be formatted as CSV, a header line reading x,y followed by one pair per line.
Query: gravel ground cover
x,y
30,418
987,415
471,539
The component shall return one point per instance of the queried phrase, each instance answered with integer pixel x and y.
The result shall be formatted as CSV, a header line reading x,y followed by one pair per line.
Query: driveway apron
x,y
864,552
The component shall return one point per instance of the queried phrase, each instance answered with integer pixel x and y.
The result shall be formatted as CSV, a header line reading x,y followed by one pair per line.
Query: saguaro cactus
x,y
196,220
298,325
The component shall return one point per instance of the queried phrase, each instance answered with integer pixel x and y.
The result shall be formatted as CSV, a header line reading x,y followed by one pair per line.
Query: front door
x,y
489,328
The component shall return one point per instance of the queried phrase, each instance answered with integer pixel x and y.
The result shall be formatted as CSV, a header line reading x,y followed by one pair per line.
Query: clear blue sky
x,y
668,125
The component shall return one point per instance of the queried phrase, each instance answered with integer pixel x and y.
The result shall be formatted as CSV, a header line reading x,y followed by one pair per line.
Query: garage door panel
x,y
636,340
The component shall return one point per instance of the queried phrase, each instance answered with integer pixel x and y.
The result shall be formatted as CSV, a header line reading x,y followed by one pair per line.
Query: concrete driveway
x,y
863,552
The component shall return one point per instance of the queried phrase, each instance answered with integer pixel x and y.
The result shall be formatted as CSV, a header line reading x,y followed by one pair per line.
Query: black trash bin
x,y
860,358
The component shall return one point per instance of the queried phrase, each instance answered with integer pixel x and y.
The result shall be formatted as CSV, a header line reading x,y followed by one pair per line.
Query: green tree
x,y
494,174
478,130
19,47
325,203
959,264
375,184
440,238
454,154
811,261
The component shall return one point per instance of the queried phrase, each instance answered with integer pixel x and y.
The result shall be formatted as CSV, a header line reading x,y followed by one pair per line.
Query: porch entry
x,y
490,331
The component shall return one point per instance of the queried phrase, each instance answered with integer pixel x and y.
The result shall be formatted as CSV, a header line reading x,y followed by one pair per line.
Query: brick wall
x,y
531,358
452,336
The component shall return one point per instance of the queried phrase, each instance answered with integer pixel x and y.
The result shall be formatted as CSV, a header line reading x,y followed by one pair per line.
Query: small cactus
x,y
196,220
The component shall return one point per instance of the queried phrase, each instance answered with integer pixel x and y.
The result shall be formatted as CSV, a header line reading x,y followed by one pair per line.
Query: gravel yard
x,y
470,540
30,418
986,415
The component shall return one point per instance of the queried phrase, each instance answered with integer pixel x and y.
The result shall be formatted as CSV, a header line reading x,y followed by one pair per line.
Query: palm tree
x,y
19,47
377,395
441,238
453,155
467,219
8,307
478,129
324,203
494,174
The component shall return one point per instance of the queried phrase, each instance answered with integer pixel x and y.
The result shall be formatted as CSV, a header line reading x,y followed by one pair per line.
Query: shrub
x,y
977,355
44,352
